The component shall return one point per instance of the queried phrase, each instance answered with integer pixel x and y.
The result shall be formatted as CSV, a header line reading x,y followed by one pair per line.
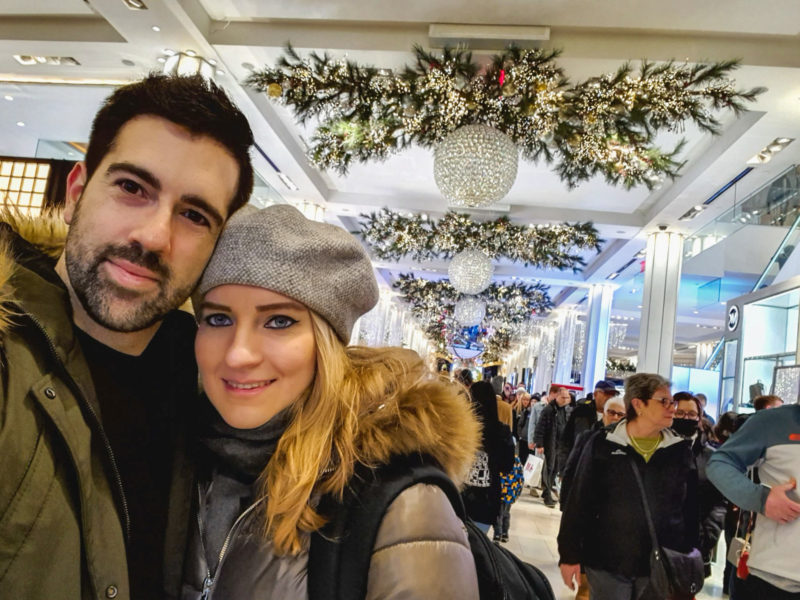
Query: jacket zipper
x,y
208,582
97,422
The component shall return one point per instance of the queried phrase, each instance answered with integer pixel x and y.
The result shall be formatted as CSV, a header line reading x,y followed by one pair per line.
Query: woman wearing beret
x,y
294,411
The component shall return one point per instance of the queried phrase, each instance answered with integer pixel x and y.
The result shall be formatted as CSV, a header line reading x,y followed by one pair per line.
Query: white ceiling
x,y
596,37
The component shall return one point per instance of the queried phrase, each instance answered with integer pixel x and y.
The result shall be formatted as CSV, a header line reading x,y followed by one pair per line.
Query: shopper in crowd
x,y
771,439
98,376
703,402
294,412
510,488
546,441
482,493
536,412
588,414
765,402
728,423
464,377
688,417
603,526
508,393
521,430
613,412
505,413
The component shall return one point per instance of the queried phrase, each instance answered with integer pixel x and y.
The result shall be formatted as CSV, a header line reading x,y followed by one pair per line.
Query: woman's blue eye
x,y
280,322
218,320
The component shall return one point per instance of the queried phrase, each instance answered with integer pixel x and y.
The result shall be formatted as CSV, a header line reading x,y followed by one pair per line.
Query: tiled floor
x,y
533,538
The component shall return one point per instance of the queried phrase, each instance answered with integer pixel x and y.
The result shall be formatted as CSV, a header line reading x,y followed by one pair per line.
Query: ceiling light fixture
x,y
691,213
9,98
156,28
135,4
770,150
287,181
20,124
28,60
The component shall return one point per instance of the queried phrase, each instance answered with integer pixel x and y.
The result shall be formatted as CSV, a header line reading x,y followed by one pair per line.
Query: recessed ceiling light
x,y
220,72
9,98
20,124
212,62
135,4
156,28
169,51
697,312
161,59
640,306
190,53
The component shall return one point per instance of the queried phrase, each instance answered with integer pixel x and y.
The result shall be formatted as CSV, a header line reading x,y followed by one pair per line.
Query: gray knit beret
x,y
277,248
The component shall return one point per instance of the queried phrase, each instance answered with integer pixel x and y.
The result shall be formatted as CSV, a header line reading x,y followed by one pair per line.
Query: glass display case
x,y
762,336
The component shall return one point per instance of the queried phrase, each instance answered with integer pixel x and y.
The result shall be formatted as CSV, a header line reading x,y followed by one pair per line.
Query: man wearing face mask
x,y
712,504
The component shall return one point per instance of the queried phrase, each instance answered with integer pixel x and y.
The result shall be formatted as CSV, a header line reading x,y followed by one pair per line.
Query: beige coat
x,y
504,413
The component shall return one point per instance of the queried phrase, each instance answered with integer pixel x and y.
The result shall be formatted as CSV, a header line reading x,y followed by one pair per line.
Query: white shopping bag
x,y
532,472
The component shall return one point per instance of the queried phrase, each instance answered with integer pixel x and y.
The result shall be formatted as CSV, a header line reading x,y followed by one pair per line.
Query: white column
x,y
565,344
595,349
662,278
704,350
544,361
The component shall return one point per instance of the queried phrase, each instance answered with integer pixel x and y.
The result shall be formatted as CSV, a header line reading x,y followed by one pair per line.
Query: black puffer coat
x,y
603,523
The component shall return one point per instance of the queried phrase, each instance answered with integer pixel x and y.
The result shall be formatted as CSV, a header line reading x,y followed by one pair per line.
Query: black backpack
x,y
340,553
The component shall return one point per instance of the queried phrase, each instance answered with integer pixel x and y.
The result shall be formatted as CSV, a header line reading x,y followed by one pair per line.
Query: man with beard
x,y
98,374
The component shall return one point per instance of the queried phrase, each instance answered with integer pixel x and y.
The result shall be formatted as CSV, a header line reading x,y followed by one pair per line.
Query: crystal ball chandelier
x,y
475,165
470,271
469,311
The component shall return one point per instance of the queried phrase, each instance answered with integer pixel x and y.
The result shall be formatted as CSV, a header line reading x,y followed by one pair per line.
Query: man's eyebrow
x,y
204,205
140,172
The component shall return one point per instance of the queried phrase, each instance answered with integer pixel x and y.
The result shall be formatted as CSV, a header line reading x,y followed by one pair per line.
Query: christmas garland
x,y
433,304
508,304
394,236
620,365
604,125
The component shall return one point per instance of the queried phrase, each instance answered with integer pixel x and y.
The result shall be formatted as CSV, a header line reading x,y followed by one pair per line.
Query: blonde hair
x,y
349,415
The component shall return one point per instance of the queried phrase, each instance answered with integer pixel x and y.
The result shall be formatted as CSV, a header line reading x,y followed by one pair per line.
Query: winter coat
x,y
523,418
603,522
482,503
713,506
63,517
583,418
421,550
549,431
62,533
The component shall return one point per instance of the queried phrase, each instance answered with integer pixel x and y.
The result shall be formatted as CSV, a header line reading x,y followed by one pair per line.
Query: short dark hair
x,y
464,376
192,102
763,402
642,386
684,396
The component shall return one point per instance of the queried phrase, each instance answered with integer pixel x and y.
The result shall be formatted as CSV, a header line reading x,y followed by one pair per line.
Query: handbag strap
x,y
648,518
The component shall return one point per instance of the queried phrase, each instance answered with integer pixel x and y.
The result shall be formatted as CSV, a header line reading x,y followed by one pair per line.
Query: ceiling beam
x,y
576,42
84,30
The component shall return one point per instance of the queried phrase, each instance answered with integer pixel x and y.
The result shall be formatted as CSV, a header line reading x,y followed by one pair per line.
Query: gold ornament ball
x,y
542,87
274,90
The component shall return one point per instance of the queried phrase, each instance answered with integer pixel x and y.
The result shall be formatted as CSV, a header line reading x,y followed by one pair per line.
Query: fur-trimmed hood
x,y
432,417
26,241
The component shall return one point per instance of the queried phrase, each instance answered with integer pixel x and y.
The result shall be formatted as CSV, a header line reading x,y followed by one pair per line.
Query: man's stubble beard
x,y
106,303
